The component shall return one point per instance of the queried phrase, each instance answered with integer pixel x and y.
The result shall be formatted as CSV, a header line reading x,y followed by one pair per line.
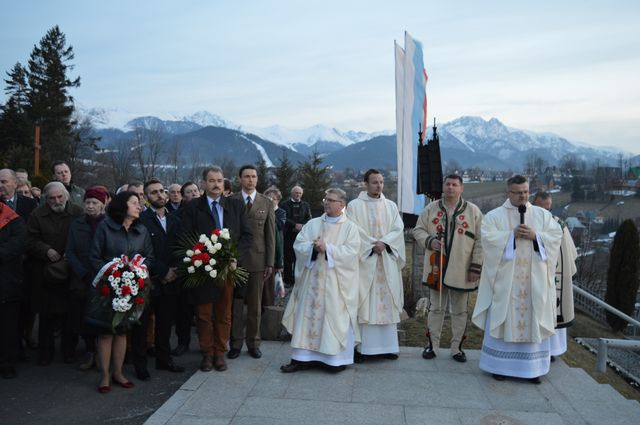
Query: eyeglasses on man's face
x,y
331,201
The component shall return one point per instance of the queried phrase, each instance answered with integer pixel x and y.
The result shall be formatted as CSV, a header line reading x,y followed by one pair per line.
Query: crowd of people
x,y
343,270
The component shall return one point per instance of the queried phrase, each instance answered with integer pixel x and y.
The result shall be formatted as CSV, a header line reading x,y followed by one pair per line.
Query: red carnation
x,y
141,283
126,290
435,221
199,247
139,300
439,213
465,225
205,257
117,273
216,232
104,290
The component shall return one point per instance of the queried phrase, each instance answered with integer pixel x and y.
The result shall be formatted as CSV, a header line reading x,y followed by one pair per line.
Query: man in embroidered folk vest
x,y
516,300
449,226
565,270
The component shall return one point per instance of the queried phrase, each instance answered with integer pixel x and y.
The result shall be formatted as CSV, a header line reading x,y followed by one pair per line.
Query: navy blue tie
x,y
214,213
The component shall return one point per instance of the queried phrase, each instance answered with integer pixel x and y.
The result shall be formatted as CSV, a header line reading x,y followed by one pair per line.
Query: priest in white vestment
x,y
565,270
382,257
321,314
517,293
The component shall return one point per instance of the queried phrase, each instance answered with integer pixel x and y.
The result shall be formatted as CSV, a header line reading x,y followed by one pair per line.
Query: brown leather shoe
x,y
219,364
206,364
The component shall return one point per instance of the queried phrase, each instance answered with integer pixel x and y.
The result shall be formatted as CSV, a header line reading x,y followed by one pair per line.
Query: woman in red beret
x,y
79,245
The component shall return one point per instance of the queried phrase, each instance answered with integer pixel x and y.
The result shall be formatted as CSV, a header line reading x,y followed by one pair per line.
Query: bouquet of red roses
x,y
207,257
122,289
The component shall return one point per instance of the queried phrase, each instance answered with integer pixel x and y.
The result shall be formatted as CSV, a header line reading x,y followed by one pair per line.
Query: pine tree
x,y
263,175
315,179
284,174
622,276
49,104
16,132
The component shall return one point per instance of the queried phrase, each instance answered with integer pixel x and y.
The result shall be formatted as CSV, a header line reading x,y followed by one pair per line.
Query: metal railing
x,y
604,343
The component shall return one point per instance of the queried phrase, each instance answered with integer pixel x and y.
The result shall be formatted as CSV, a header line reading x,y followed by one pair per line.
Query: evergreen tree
x,y
315,179
263,175
49,103
622,275
16,132
284,174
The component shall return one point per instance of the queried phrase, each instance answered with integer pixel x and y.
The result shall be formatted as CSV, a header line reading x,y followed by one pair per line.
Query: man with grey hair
x,y
8,194
321,314
48,227
298,214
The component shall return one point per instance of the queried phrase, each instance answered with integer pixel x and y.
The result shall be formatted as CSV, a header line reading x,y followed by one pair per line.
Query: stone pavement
x,y
409,390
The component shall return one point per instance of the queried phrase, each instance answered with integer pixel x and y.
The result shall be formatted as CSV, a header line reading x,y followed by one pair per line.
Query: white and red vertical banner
x,y
411,110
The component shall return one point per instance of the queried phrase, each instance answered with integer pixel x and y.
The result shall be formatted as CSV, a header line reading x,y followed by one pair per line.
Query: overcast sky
x,y
568,67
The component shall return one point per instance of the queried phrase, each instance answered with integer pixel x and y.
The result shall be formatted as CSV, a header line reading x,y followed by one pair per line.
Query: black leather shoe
x,y
535,380
460,357
206,364
293,366
171,367
233,353
334,369
255,353
428,353
389,356
180,350
142,374
358,357
499,377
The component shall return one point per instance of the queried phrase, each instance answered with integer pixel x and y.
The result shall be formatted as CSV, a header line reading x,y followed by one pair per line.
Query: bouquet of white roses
x,y
207,257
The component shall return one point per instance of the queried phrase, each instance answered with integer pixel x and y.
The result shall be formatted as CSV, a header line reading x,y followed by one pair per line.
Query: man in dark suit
x,y
298,213
163,229
23,206
214,211
20,204
259,264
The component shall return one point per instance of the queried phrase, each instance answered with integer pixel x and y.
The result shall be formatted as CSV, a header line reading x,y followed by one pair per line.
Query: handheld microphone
x,y
522,209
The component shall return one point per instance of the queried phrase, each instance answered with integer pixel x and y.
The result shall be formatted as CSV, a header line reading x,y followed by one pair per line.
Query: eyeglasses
x,y
331,200
520,193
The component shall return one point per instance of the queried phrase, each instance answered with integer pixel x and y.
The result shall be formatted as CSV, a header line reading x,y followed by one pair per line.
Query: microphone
x,y
522,209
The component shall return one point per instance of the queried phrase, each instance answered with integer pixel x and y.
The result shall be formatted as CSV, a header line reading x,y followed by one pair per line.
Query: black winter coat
x,y
163,249
113,240
78,253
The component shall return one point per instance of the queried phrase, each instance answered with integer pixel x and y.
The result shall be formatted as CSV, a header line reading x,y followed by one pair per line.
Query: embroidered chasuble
x,y
381,291
322,308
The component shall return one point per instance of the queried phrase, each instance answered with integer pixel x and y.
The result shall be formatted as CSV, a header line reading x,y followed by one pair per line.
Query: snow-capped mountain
x,y
206,118
471,141
510,144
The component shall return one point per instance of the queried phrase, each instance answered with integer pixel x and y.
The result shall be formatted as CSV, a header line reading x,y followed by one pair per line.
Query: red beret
x,y
97,193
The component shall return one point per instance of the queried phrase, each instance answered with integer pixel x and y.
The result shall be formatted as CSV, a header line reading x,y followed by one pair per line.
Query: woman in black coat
x,y
120,233
79,245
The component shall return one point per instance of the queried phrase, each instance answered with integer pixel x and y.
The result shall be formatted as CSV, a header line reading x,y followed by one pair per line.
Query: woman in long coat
x,y
120,233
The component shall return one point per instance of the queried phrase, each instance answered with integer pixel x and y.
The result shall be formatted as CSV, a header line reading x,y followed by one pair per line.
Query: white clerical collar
x,y
509,205
332,220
